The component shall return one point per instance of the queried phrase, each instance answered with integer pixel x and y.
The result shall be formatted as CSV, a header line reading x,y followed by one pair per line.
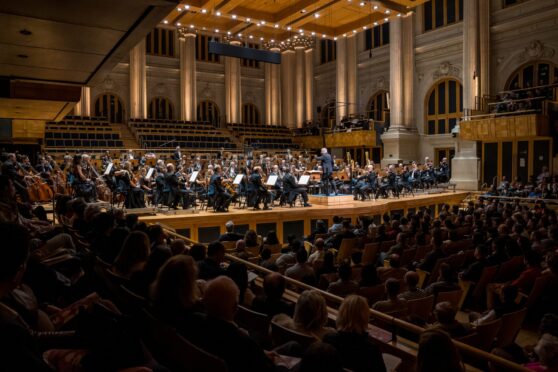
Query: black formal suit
x,y
259,191
209,269
173,185
292,189
230,237
327,169
221,198
9,169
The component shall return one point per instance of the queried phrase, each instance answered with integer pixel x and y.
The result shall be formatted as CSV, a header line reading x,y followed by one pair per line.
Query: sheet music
x,y
107,171
271,180
194,176
150,173
304,179
238,179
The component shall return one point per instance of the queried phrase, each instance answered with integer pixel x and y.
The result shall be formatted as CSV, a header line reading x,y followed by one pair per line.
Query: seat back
x,y
369,254
511,323
487,276
487,332
274,248
537,290
281,335
230,246
421,308
421,252
386,245
407,256
453,297
509,270
436,270
257,324
373,294
174,351
346,249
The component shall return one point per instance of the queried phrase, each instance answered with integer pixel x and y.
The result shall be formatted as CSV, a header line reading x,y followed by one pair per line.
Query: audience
x,y
230,235
133,255
210,267
412,292
344,286
302,270
393,304
437,353
445,320
272,303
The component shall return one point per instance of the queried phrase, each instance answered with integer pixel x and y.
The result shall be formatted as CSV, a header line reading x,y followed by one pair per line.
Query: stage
x,y
205,226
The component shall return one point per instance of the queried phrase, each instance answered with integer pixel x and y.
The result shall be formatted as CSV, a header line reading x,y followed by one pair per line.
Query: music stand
x,y
271,180
303,180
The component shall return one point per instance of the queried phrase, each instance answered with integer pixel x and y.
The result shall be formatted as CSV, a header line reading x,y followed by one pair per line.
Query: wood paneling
x,y
366,138
28,129
504,127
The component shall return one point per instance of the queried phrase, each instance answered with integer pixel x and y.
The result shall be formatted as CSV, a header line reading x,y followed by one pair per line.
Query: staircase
x,y
128,138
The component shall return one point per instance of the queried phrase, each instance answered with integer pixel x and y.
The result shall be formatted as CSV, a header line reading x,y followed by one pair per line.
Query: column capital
x,y
185,32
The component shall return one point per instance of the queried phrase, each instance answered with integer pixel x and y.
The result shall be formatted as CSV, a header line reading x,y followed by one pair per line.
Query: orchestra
x,y
190,180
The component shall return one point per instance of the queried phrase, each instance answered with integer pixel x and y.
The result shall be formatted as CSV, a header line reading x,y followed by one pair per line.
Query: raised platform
x,y
206,226
322,199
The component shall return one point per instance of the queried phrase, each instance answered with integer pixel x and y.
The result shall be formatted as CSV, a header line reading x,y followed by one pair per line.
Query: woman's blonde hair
x,y
310,311
175,285
354,315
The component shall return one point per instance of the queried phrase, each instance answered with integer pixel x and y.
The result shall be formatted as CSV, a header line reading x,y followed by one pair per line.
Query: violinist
x,y
186,195
81,183
177,156
128,186
291,189
259,191
9,169
43,167
221,199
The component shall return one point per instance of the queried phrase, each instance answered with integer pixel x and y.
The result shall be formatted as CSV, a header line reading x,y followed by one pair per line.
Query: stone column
x,y
272,92
309,85
287,88
300,91
138,82
83,107
401,140
233,98
352,85
465,169
341,79
188,93
484,47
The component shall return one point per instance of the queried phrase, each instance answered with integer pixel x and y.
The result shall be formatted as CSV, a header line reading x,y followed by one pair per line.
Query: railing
x,y
395,322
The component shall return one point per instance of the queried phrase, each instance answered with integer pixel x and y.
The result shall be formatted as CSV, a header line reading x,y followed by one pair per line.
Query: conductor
x,y
327,168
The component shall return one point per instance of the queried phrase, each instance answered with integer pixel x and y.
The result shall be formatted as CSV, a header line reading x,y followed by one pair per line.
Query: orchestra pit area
x,y
279,185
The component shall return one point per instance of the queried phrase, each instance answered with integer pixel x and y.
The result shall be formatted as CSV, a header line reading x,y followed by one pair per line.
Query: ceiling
x,y
72,41
279,19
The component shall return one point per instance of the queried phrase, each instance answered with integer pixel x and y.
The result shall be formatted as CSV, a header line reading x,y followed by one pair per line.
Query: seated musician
x,y
365,183
259,192
172,187
445,170
83,186
221,198
9,169
277,189
126,185
292,189
388,183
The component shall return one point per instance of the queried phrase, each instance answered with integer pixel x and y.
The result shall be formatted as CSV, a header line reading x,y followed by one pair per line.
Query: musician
x,y
197,164
258,192
172,187
388,183
130,156
231,172
43,167
9,169
177,156
277,189
366,183
221,198
445,170
327,167
291,189
127,185
82,185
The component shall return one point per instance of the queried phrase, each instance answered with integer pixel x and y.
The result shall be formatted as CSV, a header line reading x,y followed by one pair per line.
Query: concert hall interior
x,y
279,185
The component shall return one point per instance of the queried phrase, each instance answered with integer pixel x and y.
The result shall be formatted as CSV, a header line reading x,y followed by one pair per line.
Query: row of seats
x,y
83,143
149,144
168,121
73,135
82,123
211,132
171,137
78,129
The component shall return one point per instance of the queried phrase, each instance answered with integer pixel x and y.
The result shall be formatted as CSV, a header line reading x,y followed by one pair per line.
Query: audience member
x,y
393,304
344,286
210,267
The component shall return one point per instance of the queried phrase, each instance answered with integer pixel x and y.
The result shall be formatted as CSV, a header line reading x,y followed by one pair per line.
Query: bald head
x,y
221,298
411,279
274,285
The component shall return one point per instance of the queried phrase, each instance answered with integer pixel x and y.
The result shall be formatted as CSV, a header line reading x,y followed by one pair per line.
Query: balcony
x,y
489,127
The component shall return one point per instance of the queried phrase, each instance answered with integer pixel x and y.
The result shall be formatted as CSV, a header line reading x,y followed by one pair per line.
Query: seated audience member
x,y
211,267
474,271
175,295
507,305
399,247
302,270
238,272
344,286
437,353
434,255
321,229
337,225
547,352
220,336
446,281
412,292
327,266
240,250
288,257
141,280
178,246
394,270
251,239
320,357
310,315
318,254
266,261
369,276
198,252
345,233
357,352
133,255
230,235
272,302
20,352
157,235
445,320
393,304
524,283
271,238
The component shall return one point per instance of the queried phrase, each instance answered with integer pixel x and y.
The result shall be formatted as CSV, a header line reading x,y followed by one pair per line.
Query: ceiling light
x,y
335,38
316,15
228,32
399,14
261,38
375,23
186,7
179,9
166,22
218,14
251,37
344,35
301,30
178,24
296,36
388,11
258,24
354,31
272,40
289,28
248,19
313,33
263,22
361,3
385,19
234,16
239,34
323,35
364,27
204,11
191,26
375,7
217,30
303,11
276,25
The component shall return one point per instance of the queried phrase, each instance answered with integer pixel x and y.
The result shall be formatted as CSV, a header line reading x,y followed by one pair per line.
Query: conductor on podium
x,y
327,168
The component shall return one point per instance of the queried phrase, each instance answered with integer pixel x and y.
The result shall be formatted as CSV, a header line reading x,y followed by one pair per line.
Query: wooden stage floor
x,y
205,226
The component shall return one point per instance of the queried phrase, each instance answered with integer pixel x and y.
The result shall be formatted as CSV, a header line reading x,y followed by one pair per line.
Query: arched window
x,y
444,106
440,13
209,111
327,115
532,75
250,114
377,106
160,108
108,105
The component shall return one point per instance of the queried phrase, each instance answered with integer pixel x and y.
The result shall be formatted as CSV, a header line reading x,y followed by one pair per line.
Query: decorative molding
x,y
207,93
108,83
160,89
446,69
535,50
382,84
